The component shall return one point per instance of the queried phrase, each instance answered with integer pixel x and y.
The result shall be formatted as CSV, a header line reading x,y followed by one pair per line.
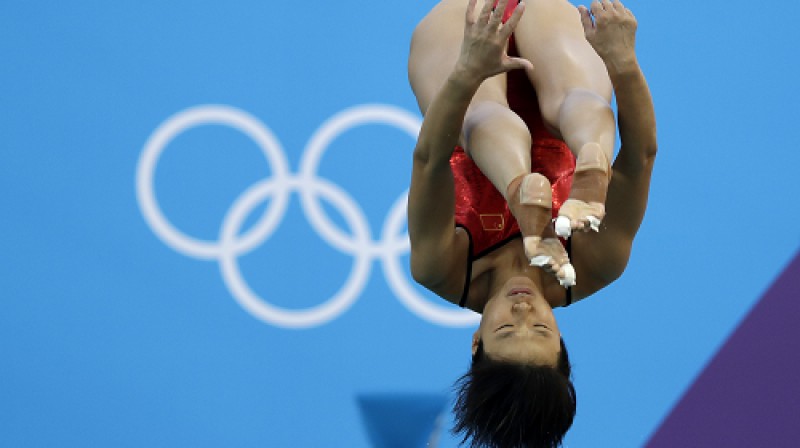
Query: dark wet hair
x,y
501,404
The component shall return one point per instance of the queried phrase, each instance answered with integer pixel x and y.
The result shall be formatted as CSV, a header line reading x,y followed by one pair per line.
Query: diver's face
x,y
518,325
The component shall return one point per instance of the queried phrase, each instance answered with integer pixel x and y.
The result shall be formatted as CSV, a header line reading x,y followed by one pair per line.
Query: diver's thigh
x,y
550,35
545,19
435,48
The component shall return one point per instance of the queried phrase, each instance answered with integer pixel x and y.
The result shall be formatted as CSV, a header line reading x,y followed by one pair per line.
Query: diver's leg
x,y
499,142
495,137
574,93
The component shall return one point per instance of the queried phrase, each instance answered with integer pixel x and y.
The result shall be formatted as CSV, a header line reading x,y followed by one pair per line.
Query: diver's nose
x,y
521,306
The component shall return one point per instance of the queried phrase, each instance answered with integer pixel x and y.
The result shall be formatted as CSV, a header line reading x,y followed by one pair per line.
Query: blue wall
x,y
117,332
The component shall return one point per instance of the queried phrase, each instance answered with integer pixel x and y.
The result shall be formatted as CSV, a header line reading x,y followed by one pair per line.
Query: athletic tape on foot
x,y
563,227
568,279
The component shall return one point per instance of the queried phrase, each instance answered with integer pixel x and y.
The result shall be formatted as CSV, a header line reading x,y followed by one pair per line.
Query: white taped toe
x,y
563,227
568,278
594,222
541,260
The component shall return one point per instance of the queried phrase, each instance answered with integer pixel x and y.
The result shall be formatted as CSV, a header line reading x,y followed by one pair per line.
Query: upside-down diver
x,y
514,152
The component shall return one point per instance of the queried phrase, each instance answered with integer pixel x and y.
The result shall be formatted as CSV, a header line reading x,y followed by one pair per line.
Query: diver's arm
x,y
600,258
438,252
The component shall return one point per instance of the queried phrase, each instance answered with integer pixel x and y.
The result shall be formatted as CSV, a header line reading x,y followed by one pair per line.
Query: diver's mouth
x,y
520,292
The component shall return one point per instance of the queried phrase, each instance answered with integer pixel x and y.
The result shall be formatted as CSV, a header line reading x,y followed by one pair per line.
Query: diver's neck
x,y
514,264
510,262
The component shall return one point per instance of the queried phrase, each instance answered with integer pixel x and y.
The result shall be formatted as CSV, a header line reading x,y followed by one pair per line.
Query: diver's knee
x,y
489,115
584,101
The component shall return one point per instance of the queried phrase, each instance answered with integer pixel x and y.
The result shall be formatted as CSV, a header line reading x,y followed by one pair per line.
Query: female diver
x,y
490,170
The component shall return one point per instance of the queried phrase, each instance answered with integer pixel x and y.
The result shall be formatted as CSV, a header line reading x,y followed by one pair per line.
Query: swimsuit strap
x,y
463,301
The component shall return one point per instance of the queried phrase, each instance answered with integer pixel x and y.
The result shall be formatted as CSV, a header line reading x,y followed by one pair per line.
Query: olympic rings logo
x,y
279,188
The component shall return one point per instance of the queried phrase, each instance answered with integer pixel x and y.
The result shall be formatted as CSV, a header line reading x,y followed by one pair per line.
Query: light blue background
x,y
110,338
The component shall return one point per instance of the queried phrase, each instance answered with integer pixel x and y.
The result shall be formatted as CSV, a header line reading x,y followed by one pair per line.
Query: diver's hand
x,y
612,33
483,50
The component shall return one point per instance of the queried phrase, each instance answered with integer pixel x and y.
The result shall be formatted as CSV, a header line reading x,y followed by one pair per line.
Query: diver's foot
x,y
585,207
553,258
531,201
